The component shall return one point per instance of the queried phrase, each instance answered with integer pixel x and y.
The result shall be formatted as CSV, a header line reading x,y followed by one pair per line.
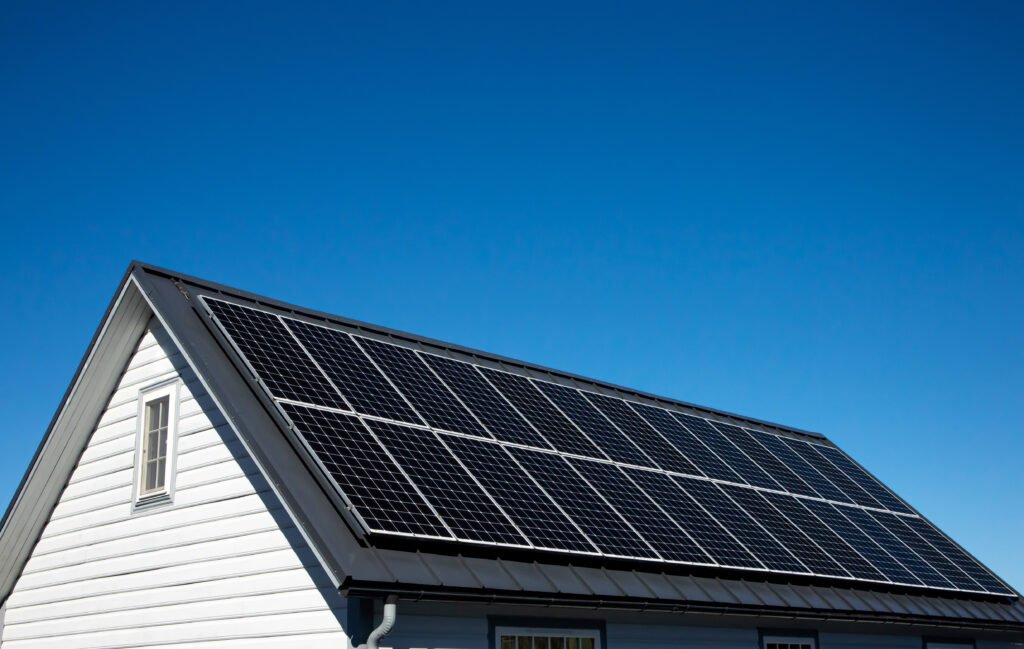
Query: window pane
x,y
586,643
525,642
557,643
508,642
573,643
540,642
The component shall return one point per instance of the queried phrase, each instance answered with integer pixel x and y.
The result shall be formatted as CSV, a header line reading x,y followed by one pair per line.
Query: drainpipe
x,y
387,623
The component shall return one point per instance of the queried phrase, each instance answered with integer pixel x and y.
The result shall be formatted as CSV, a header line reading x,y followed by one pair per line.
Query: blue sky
x,y
806,212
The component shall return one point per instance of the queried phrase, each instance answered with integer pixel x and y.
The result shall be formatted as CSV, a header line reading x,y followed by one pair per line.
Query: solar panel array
x,y
424,445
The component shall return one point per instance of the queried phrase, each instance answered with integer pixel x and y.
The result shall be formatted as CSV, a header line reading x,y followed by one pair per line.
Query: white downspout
x,y
387,623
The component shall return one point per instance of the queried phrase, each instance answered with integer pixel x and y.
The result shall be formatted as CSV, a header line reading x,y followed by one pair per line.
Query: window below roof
x,y
545,638
788,642
155,445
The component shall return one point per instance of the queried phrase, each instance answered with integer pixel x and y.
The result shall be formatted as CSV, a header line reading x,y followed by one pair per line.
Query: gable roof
x,y
363,567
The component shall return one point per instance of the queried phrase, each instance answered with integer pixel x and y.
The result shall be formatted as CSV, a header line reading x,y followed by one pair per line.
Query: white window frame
x,y
165,495
789,639
551,632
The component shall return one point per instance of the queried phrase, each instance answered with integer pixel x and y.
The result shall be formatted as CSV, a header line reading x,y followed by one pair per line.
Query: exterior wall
x,y
223,566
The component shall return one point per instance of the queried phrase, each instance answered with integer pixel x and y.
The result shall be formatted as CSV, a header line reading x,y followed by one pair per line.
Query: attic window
x,y
154,461
788,642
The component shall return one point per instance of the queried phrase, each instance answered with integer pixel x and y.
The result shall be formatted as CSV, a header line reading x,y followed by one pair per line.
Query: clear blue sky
x,y
806,212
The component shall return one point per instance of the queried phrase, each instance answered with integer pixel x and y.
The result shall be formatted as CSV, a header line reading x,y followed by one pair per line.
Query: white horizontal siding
x,y
221,567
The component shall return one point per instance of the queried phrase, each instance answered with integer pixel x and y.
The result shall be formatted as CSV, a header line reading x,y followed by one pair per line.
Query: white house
x,y
229,471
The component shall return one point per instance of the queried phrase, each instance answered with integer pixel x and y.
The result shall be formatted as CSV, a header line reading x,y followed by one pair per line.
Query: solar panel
x,y
533,511
688,514
539,411
605,435
598,520
792,537
825,537
654,445
873,552
834,475
461,503
431,398
275,356
745,528
782,474
700,455
480,396
452,450
865,480
737,460
353,373
364,472
668,539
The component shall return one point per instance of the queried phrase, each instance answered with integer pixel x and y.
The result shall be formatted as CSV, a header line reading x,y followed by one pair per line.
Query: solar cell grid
x,y
834,475
363,472
480,397
867,482
699,453
895,547
431,398
605,435
807,473
353,373
457,498
604,527
826,538
892,569
654,445
687,512
546,418
787,532
772,554
781,473
961,559
534,512
275,355
667,538
737,460
925,550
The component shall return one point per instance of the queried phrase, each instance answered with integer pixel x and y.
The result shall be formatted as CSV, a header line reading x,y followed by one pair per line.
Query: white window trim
x,y
502,631
171,389
788,639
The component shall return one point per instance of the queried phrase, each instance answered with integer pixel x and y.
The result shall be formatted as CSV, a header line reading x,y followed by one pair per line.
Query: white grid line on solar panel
x,y
539,517
380,493
602,524
461,502
787,533
545,417
760,541
647,519
895,571
750,471
699,454
897,548
946,568
605,434
773,466
827,538
353,372
658,448
570,455
868,482
431,398
272,354
834,475
500,418
958,556
716,539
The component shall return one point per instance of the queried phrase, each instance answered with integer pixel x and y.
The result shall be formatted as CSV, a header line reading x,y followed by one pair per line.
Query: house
x,y
226,470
